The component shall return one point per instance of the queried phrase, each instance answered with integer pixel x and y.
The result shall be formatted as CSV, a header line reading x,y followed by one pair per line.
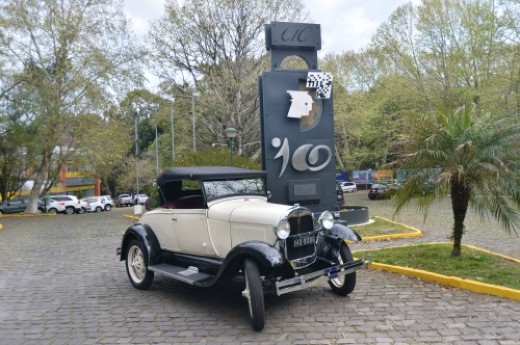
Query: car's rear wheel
x,y
108,207
254,294
138,273
70,210
345,284
98,209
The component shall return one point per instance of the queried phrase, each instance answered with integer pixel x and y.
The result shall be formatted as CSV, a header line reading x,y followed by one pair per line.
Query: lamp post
x,y
136,113
155,108
173,132
231,134
193,96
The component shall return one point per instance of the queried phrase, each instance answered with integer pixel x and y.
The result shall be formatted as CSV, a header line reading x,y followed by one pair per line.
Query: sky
x,y
345,24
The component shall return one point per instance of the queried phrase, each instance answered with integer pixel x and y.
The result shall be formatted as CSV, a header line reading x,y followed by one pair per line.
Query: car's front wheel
x,y
254,294
70,210
52,211
345,284
138,273
81,210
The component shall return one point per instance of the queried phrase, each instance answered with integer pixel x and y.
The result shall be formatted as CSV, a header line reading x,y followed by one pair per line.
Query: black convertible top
x,y
207,173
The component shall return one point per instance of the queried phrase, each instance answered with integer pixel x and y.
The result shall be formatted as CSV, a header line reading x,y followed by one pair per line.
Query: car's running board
x,y
190,275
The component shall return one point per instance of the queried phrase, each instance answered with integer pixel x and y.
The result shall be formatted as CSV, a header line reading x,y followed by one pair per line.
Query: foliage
x,y
473,157
216,47
435,257
67,57
214,157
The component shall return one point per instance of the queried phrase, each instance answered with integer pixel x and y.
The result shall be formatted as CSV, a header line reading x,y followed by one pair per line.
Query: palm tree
x,y
471,156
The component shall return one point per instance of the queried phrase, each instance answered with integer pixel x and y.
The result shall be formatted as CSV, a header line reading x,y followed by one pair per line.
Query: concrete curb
x,y
465,284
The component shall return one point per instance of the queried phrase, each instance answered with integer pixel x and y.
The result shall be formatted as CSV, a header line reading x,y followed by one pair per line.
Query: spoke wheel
x,y
138,273
345,284
70,210
254,294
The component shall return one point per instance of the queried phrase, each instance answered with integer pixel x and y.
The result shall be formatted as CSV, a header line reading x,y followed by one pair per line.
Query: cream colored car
x,y
216,222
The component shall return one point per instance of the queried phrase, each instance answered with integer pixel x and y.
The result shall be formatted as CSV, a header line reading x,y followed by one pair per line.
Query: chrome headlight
x,y
326,220
282,229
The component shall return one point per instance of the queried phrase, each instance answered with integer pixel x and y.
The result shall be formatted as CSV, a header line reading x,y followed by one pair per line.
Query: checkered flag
x,y
322,82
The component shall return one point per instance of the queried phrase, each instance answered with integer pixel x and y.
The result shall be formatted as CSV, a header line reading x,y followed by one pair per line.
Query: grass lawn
x,y
435,257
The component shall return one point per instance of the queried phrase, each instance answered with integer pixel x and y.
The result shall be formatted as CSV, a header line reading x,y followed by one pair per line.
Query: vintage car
x,y
215,223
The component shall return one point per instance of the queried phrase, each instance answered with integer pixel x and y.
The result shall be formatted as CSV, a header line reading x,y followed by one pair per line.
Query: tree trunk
x,y
459,205
39,180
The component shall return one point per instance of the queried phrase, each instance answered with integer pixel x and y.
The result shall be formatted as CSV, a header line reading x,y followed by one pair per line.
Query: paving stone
x,y
61,283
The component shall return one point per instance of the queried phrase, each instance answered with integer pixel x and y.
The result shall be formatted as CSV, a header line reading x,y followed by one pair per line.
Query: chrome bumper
x,y
307,280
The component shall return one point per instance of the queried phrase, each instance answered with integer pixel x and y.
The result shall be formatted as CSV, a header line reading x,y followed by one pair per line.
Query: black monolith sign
x,y
297,121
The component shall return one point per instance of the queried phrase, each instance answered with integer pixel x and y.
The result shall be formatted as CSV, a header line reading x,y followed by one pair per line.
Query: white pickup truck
x,y
124,200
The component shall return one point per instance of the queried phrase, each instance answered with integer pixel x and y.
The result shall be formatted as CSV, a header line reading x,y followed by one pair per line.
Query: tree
x,y
216,47
473,157
68,55
102,145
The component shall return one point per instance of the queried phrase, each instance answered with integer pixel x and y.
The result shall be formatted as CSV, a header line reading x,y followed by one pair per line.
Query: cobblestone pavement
x,y
61,283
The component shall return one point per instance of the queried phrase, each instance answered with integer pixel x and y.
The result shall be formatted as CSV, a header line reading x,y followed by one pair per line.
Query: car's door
x,y
192,232
180,230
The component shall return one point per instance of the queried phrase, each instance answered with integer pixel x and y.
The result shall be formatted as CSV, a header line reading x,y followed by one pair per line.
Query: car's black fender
x,y
268,258
146,236
332,239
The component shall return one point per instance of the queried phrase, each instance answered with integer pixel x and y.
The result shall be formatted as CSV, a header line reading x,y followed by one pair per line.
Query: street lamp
x,y
231,134
173,132
193,96
154,107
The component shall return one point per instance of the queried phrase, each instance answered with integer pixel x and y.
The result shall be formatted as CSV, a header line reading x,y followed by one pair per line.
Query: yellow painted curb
x,y
457,282
413,234
129,216
466,284
23,215
1,226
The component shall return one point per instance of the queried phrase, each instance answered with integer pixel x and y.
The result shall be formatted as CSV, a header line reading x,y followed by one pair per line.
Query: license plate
x,y
303,241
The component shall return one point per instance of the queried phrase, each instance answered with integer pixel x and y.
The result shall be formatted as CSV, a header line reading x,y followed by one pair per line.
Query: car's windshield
x,y
218,189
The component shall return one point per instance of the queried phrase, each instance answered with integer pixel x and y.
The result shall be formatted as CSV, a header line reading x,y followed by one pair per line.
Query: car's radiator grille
x,y
301,224
302,239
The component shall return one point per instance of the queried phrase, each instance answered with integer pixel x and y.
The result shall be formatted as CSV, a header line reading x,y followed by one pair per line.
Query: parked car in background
x,y
13,206
348,187
140,199
124,200
381,191
68,204
109,202
215,223
95,203
83,206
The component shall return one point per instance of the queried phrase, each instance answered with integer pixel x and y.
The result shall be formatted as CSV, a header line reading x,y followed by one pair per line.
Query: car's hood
x,y
247,210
